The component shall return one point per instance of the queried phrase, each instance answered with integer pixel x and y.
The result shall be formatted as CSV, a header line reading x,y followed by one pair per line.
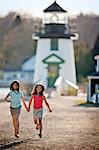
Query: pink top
x,y
38,101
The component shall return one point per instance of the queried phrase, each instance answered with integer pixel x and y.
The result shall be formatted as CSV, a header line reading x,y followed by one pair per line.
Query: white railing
x,y
59,84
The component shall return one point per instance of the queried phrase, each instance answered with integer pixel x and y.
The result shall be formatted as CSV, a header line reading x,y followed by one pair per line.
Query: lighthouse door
x,y
53,73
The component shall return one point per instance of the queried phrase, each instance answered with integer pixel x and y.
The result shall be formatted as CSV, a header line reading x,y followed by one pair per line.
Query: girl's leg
x,y
16,124
40,124
35,121
35,116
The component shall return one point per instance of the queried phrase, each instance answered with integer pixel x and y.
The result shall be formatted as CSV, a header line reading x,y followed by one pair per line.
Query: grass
x,y
83,103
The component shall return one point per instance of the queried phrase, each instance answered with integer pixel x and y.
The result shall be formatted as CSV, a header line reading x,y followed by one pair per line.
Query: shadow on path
x,y
87,105
12,144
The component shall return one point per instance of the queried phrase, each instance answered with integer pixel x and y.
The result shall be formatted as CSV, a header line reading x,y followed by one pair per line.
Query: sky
x,y
36,7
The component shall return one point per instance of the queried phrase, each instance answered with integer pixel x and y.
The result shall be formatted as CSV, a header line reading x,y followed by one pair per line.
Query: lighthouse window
x,y
54,44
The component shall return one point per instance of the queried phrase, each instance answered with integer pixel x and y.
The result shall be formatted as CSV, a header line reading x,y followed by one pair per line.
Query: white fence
x,y
3,92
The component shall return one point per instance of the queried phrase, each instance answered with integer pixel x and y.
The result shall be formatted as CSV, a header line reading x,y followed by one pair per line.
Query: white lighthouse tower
x,y
55,52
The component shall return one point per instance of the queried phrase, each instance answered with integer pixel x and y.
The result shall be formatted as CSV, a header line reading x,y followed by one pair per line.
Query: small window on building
x,y
54,44
14,76
22,75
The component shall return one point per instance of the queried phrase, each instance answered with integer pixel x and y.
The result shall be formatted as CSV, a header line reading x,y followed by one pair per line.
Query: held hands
x,y
50,110
28,109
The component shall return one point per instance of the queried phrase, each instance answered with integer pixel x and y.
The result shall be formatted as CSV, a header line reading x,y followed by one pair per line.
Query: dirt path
x,y
68,127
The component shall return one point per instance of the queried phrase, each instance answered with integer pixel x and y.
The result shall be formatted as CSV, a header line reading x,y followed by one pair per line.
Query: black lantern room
x,y
55,23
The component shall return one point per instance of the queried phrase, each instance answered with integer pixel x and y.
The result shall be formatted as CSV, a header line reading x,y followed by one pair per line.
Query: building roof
x,y
53,58
94,75
96,57
54,7
29,65
51,35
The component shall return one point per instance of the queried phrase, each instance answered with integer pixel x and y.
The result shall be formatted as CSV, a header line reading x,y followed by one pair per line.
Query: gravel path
x,y
68,127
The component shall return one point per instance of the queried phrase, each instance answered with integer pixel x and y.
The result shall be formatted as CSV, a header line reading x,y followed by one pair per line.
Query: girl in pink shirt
x,y
38,99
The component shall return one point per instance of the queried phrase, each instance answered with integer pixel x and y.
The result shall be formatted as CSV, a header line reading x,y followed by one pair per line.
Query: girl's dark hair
x,y
11,86
35,91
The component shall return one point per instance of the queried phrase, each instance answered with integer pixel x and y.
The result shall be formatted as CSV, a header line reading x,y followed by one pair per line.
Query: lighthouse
x,y
55,51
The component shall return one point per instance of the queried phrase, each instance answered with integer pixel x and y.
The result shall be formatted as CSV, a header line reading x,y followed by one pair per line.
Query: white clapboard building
x,y
55,51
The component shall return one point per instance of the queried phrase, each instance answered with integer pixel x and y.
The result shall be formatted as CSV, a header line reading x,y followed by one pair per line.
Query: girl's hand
x,y
7,100
28,109
50,110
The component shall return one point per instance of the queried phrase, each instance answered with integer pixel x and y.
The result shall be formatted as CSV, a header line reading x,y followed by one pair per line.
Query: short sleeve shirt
x,y
15,98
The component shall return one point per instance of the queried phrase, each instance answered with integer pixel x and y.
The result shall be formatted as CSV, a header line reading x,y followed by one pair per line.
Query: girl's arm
x,y
47,104
24,103
6,98
30,102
